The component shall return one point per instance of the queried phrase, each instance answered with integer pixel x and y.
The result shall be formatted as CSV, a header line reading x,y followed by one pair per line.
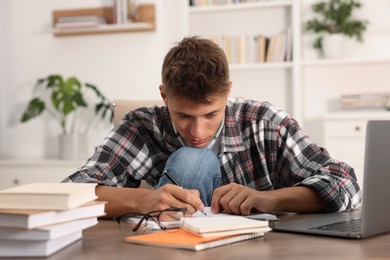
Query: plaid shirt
x,y
261,147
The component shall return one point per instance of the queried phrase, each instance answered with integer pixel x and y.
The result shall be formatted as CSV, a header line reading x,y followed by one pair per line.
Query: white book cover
x,y
28,219
31,248
47,232
55,196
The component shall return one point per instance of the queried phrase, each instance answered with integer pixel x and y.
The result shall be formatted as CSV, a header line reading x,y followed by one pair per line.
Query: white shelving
x,y
240,6
17,172
305,88
348,62
344,136
254,80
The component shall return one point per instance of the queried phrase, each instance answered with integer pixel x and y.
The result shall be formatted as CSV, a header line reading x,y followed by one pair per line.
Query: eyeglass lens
x,y
168,220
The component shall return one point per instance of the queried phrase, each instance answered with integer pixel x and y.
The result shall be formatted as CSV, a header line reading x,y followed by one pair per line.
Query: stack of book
x,y
39,219
79,22
365,101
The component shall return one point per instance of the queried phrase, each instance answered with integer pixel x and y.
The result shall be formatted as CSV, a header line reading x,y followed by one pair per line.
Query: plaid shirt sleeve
x,y
303,163
266,149
132,151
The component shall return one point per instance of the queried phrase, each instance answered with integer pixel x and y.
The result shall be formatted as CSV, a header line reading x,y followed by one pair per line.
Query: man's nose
x,y
198,128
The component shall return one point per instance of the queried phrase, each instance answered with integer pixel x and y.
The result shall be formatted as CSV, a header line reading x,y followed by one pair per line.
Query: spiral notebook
x,y
182,239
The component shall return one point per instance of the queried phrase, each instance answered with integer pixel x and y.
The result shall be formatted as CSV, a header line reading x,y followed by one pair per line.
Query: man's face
x,y
197,123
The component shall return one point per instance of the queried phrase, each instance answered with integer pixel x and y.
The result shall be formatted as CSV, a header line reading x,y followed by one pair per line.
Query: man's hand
x,y
237,199
121,201
169,196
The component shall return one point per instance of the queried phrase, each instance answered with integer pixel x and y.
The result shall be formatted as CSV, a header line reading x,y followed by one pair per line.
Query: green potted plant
x,y
63,99
334,19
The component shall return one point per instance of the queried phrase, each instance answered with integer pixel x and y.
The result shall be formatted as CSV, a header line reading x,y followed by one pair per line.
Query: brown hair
x,y
195,69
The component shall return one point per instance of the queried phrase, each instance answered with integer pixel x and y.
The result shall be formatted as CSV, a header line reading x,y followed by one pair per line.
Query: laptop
x,y
374,216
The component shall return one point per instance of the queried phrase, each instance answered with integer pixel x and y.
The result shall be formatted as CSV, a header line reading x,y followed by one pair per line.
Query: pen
x,y
169,176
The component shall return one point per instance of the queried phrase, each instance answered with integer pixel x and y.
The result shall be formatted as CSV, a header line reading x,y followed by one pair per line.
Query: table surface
x,y
104,241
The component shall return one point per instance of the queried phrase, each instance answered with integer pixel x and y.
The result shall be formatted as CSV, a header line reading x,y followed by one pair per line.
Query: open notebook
x,y
256,216
373,218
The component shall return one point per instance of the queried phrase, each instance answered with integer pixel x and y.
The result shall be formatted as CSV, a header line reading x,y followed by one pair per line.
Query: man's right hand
x,y
172,196
121,201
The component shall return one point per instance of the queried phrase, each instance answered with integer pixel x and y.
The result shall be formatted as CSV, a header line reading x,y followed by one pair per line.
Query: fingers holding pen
x,y
171,195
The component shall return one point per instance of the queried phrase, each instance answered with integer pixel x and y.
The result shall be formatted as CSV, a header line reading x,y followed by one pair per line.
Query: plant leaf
x,y
34,109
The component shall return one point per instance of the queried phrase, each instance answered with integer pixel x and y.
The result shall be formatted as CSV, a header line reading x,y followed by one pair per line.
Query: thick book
x,y
183,239
28,219
48,232
223,226
36,248
54,196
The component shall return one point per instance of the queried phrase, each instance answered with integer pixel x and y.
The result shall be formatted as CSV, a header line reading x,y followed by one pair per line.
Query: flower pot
x,y
73,146
332,45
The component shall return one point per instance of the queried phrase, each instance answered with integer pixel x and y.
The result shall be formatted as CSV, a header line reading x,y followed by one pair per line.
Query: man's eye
x,y
183,116
211,115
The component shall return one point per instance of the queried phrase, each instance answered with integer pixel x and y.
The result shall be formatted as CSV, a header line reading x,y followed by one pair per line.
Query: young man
x,y
233,155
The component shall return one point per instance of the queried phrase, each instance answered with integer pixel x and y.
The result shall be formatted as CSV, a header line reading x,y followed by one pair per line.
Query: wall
x,y
123,65
128,66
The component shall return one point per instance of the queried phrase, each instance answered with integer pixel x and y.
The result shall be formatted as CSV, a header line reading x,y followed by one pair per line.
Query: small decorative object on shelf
x,y
333,21
65,100
123,16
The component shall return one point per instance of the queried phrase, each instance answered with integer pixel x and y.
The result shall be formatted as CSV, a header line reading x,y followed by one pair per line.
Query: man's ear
x,y
163,94
229,89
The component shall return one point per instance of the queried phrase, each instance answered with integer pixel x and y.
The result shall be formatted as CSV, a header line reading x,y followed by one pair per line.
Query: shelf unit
x,y
17,172
145,21
253,80
344,136
297,86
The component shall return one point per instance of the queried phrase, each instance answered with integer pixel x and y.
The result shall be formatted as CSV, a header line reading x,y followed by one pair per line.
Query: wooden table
x,y
104,241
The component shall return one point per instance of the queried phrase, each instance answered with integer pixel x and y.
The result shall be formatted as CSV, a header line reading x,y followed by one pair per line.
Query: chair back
x,y
123,106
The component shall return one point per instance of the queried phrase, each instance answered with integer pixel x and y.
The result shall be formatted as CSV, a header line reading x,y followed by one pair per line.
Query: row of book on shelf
x,y
365,101
39,219
123,12
256,48
224,2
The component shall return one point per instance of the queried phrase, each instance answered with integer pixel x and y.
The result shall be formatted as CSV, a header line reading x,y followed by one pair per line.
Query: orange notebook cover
x,y
183,239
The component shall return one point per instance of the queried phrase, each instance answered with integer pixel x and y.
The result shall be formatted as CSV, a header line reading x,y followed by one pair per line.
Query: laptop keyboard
x,y
352,225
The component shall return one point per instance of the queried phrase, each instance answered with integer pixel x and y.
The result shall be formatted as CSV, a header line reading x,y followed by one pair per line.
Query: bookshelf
x,y
145,21
253,79
308,86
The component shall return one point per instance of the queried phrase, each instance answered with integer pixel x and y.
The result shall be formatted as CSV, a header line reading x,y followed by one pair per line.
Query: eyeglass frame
x,y
148,215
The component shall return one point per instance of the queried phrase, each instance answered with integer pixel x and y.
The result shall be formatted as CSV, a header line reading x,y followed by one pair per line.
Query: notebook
x,y
225,225
183,239
373,217
209,214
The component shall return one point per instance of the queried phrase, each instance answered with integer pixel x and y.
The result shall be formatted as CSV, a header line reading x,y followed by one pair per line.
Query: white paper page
x,y
258,216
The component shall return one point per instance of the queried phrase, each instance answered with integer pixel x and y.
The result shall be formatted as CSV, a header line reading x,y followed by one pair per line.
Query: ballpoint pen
x,y
169,176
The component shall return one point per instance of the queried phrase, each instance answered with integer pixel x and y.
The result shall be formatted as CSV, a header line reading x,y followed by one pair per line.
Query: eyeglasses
x,y
169,220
